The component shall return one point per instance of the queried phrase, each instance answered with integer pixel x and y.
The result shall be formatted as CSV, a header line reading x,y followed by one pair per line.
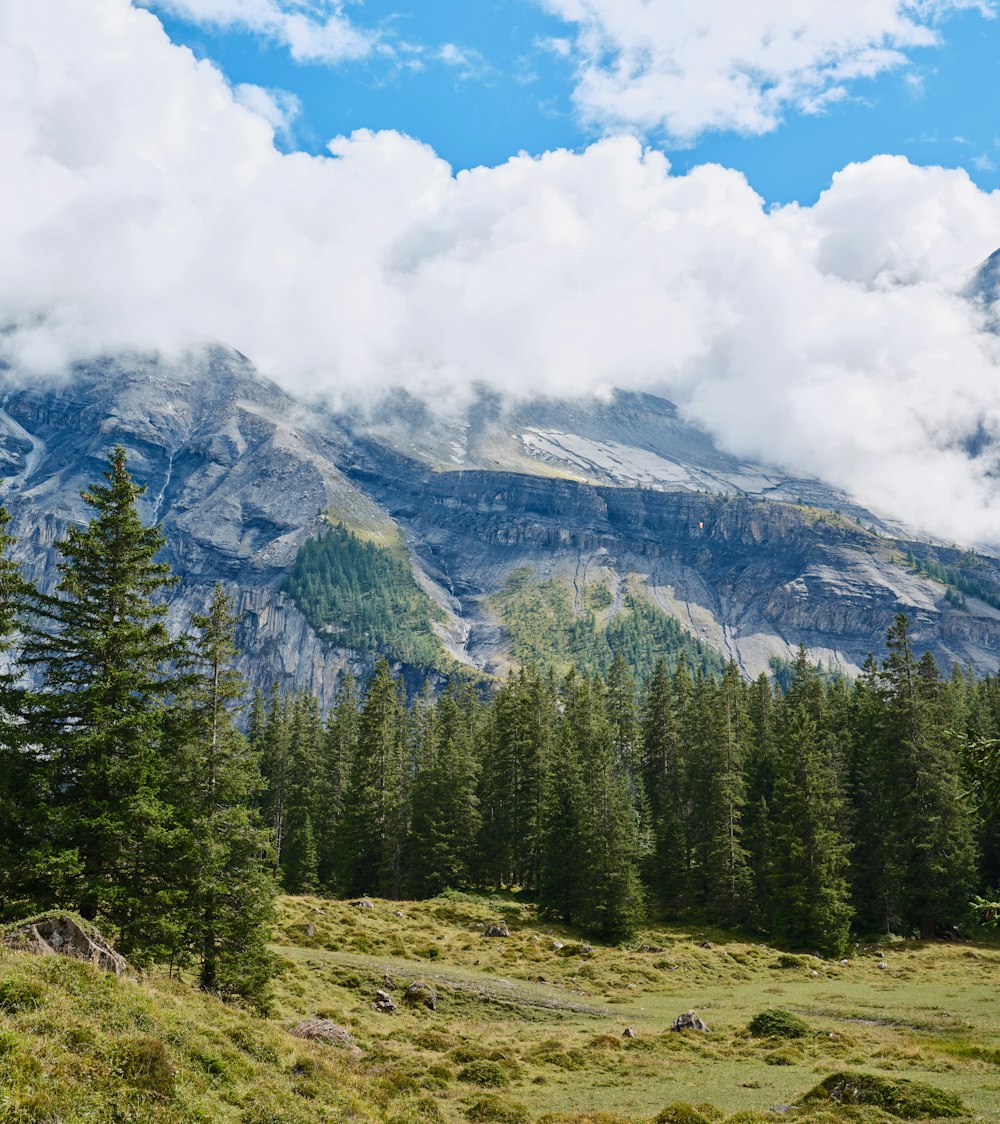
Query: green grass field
x,y
524,1031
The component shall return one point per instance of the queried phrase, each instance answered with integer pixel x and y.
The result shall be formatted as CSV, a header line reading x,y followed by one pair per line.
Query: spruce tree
x,y
106,661
224,863
375,821
811,896
22,793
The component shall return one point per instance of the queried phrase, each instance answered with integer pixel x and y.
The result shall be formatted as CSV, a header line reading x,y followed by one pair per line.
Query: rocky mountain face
x,y
240,475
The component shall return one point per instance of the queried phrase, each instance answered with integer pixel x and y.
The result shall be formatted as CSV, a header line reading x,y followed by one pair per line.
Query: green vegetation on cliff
x,y
360,595
547,630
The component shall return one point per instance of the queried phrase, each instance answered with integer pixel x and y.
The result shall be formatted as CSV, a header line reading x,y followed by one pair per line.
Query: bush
x,y
788,960
680,1112
20,994
486,1073
492,1109
909,1100
776,1023
145,1063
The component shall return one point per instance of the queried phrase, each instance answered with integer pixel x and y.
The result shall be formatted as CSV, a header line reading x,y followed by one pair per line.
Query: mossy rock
x,y
900,1097
776,1023
680,1112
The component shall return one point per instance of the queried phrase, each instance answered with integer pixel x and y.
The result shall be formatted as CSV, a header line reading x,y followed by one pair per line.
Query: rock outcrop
x,y
61,934
240,475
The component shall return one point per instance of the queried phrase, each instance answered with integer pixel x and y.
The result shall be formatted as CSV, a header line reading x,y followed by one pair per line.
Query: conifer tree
x,y
446,820
106,659
811,896
22,793
339,744
225,859
375,822
665,786
934,836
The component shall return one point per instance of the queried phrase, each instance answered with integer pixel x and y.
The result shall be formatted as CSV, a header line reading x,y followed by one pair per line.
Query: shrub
x,y
491,1109
909,1100
20,994
776,1023
486,1073
680,1112
145,1063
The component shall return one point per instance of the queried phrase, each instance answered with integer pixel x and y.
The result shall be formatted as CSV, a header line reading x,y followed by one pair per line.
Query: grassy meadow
x,y
527,1028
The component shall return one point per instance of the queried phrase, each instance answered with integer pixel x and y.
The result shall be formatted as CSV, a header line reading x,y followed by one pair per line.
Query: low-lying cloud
x,y
146,206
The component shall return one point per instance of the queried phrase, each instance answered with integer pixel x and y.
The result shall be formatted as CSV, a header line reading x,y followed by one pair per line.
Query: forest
x,y
132,795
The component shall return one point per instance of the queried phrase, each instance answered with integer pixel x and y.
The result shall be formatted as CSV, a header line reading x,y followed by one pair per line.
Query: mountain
x,y
576,512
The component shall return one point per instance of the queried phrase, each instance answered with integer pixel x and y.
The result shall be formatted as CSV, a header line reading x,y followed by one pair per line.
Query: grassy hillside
x,y
523,1031
360,594
549,626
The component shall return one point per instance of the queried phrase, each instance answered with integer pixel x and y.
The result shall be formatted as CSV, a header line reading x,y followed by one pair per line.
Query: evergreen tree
x,y
811,904
106,659
22,794
375,822
228,889
934,835
665,785
446,818
340,740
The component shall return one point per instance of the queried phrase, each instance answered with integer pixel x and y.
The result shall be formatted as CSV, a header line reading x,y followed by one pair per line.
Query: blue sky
x,y
504,89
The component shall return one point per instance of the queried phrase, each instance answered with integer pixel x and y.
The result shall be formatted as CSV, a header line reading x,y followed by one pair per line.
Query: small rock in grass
x,y
422,993
383,1002
556,946
323,1030
629,1032
688,1021
364,903
500,930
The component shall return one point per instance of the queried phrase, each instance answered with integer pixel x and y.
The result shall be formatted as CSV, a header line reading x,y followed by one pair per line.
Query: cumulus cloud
x,y
146,205
311,30
682,67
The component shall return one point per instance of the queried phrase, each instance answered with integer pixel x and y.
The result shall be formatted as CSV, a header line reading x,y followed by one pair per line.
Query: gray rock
x,y
500,930
363,903
629,1032
59,934
420,993
688,1021
328,1032
384,1002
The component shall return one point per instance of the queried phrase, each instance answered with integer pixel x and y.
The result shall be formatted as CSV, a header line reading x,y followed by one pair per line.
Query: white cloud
x,y
683,67
146,205
311,30
279,108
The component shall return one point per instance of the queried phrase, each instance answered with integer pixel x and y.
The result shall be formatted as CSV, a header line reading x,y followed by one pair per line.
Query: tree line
x,y
800,813
130,794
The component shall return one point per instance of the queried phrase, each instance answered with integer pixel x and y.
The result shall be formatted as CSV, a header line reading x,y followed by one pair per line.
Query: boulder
x,y
629,1032
421,993
688,1021
61,934
363,903
383,1002
500,930
323,1030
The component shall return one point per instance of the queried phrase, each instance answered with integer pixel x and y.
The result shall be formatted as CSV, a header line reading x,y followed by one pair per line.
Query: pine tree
x,y
225,859
105,656
22,793
665,785
811,903
339,745
375,822
934,836
446,820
